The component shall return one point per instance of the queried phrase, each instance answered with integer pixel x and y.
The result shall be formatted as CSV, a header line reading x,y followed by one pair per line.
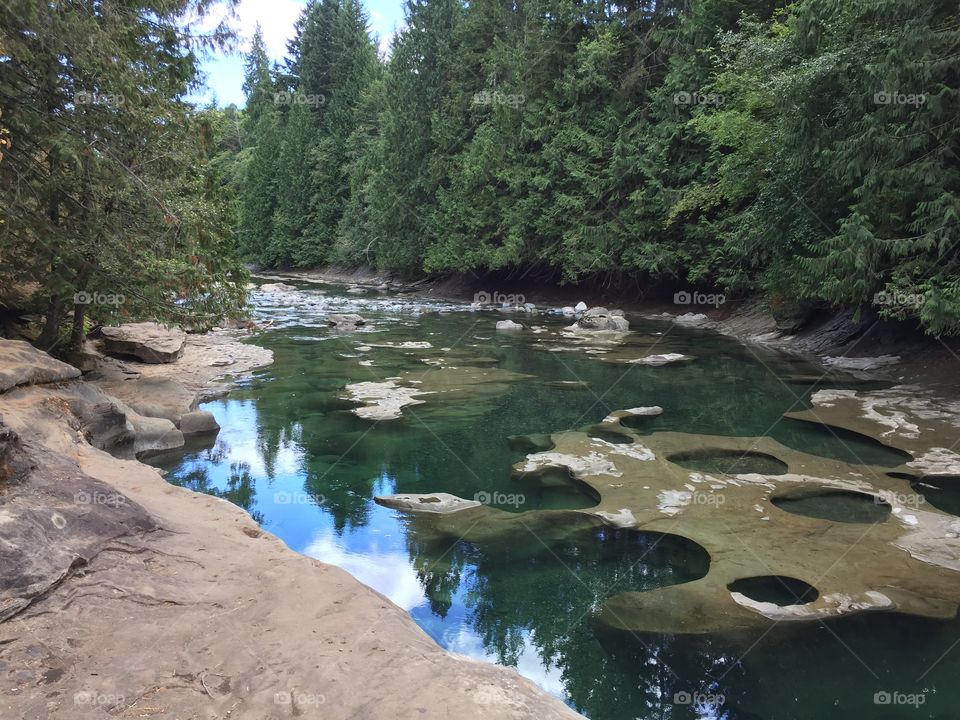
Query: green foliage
x,y
807,151
111,189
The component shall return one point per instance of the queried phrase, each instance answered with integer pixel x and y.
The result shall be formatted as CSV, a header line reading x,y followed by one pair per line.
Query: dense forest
x,y
803,152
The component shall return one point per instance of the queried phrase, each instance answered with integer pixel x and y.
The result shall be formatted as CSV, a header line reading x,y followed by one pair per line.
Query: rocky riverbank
x,y
124,596
848,339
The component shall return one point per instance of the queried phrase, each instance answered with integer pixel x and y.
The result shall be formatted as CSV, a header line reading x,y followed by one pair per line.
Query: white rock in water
x,y
691,319
508,325
580,307
568,311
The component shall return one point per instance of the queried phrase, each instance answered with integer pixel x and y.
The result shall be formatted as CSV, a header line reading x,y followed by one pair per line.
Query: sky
x,y
224,73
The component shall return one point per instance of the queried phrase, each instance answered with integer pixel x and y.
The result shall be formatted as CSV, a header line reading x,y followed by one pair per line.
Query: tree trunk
x,y
50,334
76,330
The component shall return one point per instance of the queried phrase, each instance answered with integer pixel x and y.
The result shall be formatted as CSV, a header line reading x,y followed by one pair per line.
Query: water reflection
x,y
293,455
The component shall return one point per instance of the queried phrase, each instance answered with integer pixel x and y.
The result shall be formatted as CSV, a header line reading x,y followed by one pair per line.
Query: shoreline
x,y
185,607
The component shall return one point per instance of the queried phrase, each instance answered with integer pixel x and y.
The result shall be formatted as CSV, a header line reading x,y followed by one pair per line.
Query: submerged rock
x,y
148,341
739,488
383,400
657,360
509,325
346,321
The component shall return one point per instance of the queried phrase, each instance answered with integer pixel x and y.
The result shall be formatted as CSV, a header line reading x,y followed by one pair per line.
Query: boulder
x,y
345,322
22,364
103,420
508,325
568,311
199,422
153,396
153,435
276,287
148,341
580,307
599,318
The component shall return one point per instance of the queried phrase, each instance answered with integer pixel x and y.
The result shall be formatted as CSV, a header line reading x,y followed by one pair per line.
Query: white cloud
x,y
276,18
465,641
388,572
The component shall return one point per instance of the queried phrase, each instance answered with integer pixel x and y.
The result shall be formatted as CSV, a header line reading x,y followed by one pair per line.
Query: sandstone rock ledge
x,y
201,614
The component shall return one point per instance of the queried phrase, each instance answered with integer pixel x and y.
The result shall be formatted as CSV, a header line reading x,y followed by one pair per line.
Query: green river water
x,y
293,454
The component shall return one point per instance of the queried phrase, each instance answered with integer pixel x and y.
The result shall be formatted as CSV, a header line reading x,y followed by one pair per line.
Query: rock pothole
x,y
553,488
835,505
779,590
724,461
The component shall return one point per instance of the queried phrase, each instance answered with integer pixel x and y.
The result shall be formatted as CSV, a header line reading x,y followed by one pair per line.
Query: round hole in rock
x,y
551,489
838,443
941,491
729,462
640,560
610,436
835,505
777,589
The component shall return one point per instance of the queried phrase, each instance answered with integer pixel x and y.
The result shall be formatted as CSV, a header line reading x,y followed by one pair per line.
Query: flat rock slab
x,y
54,520
905,559
149,342
22,364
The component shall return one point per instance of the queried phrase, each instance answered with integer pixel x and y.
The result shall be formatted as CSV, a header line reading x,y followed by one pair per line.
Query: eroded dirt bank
x,y
125,596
